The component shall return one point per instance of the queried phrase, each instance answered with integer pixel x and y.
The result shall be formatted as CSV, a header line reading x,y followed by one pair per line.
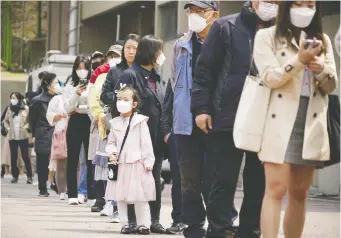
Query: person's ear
x,y
134,105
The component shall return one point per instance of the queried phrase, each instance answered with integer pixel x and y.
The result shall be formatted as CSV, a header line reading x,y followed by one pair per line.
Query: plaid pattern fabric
x,y
295,147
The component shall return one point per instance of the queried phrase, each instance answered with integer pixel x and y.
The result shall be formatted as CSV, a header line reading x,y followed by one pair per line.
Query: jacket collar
x,y
137,118
45,97
186,41
146,74
247,15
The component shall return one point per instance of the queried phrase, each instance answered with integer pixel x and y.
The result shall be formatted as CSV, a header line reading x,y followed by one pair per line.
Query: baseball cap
x,y
203,4
115,48
97,54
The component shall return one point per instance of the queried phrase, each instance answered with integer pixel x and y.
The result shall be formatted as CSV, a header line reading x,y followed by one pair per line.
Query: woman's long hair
x,y
123,63
80,59
284,27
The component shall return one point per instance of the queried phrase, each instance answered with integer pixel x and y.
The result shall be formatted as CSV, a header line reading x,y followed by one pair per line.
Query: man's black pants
x,y
226,161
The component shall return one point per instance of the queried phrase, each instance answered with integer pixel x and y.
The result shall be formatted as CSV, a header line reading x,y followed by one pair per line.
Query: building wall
x,y
57,37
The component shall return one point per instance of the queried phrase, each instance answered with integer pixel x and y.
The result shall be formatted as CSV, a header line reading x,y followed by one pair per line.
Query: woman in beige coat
x,y
295,139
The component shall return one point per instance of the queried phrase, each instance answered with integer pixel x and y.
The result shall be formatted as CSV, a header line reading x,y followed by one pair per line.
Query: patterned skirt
x,y
294,151
101,161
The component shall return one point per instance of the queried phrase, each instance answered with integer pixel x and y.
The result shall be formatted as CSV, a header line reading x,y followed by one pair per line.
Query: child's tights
x,y
141,210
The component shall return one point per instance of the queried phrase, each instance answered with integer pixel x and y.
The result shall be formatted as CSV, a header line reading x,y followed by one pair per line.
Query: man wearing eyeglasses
x,y
178,124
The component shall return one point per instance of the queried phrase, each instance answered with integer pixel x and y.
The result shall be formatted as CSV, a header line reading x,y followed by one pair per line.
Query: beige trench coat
x,y
280,69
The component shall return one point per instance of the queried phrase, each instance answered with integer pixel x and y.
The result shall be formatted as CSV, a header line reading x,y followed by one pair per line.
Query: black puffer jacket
x,y
222,66
41,129
107,95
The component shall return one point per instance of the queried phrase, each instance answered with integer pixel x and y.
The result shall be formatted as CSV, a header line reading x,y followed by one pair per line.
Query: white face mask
x,y
267,11
14,101
301,17
124,106
57,89
82,73
196,23
161,59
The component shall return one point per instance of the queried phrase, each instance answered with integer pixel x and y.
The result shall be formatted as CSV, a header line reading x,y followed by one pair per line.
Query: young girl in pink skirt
x,y
135,183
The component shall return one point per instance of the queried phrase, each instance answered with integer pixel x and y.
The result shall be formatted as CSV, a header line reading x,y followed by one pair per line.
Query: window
x,y
169,20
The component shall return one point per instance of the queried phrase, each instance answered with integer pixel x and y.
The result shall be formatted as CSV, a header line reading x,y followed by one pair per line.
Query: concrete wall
x,y
93,8
58,30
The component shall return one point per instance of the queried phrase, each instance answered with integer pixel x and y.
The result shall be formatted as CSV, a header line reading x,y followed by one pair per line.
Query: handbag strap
x,y
125,136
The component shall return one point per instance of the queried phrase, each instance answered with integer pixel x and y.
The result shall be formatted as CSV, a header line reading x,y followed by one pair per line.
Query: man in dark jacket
x,y
220,73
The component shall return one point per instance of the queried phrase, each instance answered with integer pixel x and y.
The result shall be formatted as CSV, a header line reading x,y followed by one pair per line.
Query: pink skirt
x,y
134,184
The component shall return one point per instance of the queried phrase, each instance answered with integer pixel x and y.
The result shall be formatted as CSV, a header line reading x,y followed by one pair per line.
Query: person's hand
x,y
317,64
61,116
204,122
33,140
101,119
165,139
113,159
307,55
148,168
81,89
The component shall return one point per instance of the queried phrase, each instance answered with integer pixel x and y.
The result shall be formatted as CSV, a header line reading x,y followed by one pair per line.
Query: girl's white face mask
x,y
160,59
267,11
82,73
124,106
301,17
57,88
196,23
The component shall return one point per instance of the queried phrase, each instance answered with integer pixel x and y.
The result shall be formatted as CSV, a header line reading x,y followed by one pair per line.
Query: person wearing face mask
x,y
41,129
143,77
128,55
96,60
221,69
113,58
78,131
177,125
17,126
295,60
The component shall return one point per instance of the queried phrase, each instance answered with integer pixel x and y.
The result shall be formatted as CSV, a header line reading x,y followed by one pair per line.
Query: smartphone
x,y
308,42
83,82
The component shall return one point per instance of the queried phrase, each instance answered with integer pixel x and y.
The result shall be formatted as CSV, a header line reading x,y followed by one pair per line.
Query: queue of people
x,y
115,107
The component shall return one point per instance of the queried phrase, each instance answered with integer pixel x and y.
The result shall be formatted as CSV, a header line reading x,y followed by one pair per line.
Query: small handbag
x,y
251,114
3,130
113,168
333,127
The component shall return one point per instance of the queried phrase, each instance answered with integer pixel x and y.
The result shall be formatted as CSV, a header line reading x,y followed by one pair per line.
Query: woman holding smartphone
x,y
295,60
78,131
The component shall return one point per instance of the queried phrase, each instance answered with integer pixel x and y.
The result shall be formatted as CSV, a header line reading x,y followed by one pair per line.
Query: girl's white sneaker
x,y
62,196
73,201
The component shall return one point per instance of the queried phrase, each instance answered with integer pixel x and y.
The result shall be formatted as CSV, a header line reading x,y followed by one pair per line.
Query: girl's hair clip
x,y
122,86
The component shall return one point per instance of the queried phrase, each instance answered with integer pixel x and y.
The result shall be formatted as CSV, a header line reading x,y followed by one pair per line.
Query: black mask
x,y
95,65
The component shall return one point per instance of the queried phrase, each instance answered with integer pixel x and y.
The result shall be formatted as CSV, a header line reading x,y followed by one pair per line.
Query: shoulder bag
x,y
113,168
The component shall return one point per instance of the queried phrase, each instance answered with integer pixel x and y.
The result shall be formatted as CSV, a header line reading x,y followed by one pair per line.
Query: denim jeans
x,y
82,187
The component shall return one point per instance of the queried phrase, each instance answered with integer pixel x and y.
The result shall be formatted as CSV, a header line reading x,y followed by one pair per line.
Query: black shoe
x,y
44,194
157,228
163,182
29,181
126,230
54,187
142,230
176,228
98,206
14,180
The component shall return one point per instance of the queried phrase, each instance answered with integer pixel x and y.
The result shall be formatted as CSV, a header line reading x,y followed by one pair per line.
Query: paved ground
x,y
24,214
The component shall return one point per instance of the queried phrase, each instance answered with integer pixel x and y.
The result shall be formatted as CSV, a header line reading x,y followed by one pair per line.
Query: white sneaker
x,y
114,218
91,202
73,201
62,196
107,210
81,198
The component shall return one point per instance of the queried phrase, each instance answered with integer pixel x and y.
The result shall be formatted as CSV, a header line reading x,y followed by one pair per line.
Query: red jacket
x,y
100,70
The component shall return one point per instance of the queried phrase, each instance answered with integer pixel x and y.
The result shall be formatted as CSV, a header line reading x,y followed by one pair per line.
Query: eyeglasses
x,y
199,12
